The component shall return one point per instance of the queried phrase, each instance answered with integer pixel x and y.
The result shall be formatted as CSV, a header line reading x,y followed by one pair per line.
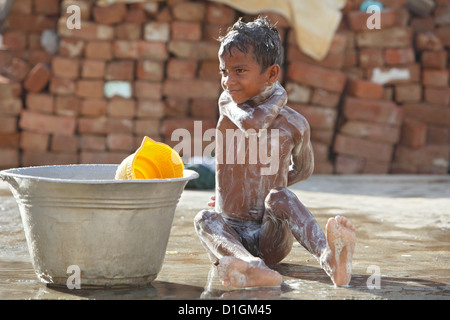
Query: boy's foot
x,y
337,257
238,273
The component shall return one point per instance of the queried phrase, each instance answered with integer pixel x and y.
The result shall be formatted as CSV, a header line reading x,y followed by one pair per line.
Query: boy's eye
x,y
240,71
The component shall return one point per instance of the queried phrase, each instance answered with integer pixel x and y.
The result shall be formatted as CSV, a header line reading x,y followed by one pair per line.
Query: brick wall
x,y
150,68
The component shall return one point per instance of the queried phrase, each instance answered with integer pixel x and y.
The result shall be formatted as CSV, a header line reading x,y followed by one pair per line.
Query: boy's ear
x,y
273,73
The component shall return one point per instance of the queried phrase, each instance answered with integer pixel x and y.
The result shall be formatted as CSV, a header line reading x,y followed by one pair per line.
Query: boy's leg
x,y
236,266
285,211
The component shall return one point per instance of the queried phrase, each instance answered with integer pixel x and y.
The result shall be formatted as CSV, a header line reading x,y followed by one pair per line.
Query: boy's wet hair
x,y
260,36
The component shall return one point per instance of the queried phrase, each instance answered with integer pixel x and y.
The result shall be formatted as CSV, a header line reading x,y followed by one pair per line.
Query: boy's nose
x,y
227,81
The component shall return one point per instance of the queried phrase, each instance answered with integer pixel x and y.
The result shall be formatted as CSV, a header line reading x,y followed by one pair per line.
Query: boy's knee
x,y
278,196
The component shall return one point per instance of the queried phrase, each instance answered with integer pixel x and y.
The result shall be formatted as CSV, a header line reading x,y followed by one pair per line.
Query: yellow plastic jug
x,y
152,160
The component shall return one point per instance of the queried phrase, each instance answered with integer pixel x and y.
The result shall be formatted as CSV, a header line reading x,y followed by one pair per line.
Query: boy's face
x,y
241,75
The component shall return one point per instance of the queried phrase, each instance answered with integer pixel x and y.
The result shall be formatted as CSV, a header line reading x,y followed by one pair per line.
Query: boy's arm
x,y
302,156
246,117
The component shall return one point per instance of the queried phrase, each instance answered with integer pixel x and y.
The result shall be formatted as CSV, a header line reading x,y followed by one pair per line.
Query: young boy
x,y
255,214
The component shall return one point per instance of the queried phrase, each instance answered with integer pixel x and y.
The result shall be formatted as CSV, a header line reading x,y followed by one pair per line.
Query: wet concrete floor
x,y
402,252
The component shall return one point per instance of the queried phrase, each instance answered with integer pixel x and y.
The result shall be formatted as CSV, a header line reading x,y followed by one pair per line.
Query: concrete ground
x,y
402,252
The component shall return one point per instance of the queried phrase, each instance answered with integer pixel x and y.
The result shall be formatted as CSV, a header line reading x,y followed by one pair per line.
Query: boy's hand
x,y
212,203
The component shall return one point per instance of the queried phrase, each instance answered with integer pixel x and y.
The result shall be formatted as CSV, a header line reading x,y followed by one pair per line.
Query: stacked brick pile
x,y
150,68
21,39
315,89
398,125
425,139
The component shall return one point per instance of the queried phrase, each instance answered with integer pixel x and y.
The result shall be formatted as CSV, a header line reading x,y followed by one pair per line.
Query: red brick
x,y
47,7
90,88
128,31
67,106
414,133
40,102
8,124
221,14
413,69
367,149
176,107
14,40
444,35
125,49
150,70
16,69
32,158
372,131
111,14
408,93
31,23
34,141
434,59
183,30
93,69
371,57
63,143
9,140
98,50
10,106
376,167
92,142
157,31
437,135
93,107
318,77
136,16
170,125
89,31
437,95
62,86
348,164
204,108
120,70
364,89
147,108
9,88
66,67
325,98
44,123
427,41
372,110
189,11
209,70
106,157
429,114
121,108
39,56
182,69
120,142
421,24
331,60
317,117
385,38
85,9
9,158
147,90
103,125
298,93
148,127
438,78
196,50
399,56
153,50
432,155
22,7
357,20
38,78
191,89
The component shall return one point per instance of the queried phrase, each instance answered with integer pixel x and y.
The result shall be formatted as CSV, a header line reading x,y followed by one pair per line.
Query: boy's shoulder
x,y
294,118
